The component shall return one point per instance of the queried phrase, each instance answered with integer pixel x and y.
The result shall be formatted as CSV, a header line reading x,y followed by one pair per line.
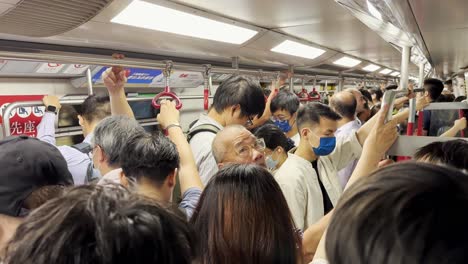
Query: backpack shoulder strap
x,y
83,147
202,128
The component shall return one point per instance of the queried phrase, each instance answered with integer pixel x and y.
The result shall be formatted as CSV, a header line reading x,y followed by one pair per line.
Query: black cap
x,y
27,164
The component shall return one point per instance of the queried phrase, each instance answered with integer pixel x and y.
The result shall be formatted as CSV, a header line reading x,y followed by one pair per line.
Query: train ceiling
x,y
323,24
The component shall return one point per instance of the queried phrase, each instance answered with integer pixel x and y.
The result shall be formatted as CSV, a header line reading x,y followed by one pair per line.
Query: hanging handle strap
x,y
207,89
167,93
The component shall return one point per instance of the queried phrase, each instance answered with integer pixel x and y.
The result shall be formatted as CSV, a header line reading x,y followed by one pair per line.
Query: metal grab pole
x,y
89,78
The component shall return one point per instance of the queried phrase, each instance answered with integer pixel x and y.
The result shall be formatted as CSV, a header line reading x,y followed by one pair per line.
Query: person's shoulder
x,y
293,167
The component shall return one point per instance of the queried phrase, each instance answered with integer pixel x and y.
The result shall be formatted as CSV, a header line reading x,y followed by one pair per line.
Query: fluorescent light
x,y
347,62
385,71
150,16
371,68
297,49
395,73
374,12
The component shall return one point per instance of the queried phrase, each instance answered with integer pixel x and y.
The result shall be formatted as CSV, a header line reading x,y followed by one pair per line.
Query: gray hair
x,y
224,137
112,133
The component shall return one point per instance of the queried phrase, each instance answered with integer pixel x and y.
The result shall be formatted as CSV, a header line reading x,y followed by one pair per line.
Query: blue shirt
x,y
344,131
77,161
190,200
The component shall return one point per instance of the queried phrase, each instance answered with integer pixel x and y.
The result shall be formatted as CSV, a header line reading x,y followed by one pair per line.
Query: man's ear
x,y
80,120
220,165
101,156
123,179
171,178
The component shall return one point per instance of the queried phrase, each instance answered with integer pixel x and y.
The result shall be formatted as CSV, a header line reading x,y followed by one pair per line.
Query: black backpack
x,y
201,128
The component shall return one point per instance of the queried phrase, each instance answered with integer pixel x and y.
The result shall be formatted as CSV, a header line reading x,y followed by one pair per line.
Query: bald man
x,y
359,99
345,104
235,144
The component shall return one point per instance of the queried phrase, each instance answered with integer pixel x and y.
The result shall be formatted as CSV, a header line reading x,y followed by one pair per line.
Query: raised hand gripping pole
x,y
167,90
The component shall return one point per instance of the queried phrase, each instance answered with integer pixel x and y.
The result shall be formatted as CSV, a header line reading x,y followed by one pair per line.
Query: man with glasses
x,y
237,101
235,144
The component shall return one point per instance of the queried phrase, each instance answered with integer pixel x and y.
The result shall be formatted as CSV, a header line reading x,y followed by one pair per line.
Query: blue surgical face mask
x,y
326,147
271,163
283,125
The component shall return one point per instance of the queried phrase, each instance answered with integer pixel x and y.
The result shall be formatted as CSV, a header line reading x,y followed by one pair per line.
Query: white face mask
x,y
271,163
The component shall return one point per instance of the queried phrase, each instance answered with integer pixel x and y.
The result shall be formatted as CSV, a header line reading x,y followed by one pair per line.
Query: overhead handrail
x,y
12,106
167,89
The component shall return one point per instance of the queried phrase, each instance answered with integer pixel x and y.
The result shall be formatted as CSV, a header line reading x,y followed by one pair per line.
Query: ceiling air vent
x,y
45,18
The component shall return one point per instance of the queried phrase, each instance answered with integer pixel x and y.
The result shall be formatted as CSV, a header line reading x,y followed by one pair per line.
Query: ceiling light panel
x,y
395,74
150,16
385,71
371,68
347,62
297,49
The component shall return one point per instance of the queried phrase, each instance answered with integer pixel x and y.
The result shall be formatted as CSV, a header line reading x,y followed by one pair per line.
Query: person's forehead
x,y
242,137
327,124
281,112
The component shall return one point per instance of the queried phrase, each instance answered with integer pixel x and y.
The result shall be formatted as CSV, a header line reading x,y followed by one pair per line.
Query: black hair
x,y
345,108
285,100
391,87
378,94
274,137
243,217
448,82
367,95
95,108
451,153
243,91
102,225
460,99
405,213
445,98
434,87
152,157
312,112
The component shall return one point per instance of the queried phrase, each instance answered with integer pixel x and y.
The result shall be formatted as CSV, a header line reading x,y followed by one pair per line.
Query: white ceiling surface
x,y
444,27
323,22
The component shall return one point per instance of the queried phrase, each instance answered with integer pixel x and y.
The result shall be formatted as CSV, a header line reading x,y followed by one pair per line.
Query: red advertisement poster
x,y
23,120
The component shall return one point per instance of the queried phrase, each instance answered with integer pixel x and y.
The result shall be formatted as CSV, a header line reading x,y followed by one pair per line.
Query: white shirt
x,y
296,138
344,131
201,148
112,176
299,183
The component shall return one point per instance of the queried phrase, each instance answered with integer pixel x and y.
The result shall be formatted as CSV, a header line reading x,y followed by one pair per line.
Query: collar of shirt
x,y
205,119
348,127
112,176
88,138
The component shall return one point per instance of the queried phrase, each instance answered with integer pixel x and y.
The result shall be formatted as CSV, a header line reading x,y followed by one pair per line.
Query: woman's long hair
x,y
243,217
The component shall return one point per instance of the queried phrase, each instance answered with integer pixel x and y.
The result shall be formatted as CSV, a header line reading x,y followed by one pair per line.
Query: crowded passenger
x,y
238,100
277,146
345,104
111,135
102,224
94,109
151,163
311,197
284,110
78,157
405,213
237,145
432,90
450,153
32,172
243,217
